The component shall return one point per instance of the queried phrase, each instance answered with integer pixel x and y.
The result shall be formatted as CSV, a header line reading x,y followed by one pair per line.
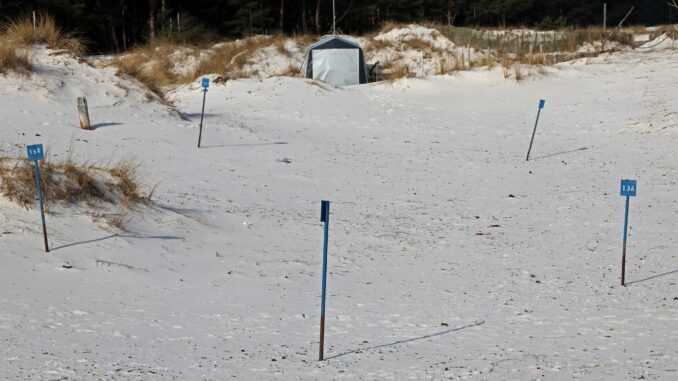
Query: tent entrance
x,y
336,66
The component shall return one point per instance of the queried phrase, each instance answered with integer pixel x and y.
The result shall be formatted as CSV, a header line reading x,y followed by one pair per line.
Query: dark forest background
x,y
115,25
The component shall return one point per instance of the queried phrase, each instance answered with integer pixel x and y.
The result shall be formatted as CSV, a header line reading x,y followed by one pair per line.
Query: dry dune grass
x,y
395,67
394,71
506,66
279,41
153,64
20,31
446,66
126,172
304,39
533,59
538,48
420,44
593,34
230,58
14,58
390,25
71,183
150,64
376,45
18,36
291,70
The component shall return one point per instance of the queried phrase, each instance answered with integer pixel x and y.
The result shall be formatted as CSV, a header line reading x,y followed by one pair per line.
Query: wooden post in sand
x,y
84,114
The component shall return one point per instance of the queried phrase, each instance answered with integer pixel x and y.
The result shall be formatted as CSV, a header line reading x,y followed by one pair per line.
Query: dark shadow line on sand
x,y
191,115
115,236
246,145
652,277
559,153
406,340
102,125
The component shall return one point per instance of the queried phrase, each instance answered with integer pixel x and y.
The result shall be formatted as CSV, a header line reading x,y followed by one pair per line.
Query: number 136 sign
x,y
628,188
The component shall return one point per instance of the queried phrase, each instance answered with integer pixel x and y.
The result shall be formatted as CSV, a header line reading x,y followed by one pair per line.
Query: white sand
x,y
221,278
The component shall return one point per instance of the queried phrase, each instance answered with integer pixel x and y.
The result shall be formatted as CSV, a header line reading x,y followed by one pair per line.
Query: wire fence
x,y
551,46
520,40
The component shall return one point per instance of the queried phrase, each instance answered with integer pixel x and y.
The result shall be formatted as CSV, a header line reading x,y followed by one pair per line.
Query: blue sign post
x,y
205,84
35,154
628,189
324,217
541,106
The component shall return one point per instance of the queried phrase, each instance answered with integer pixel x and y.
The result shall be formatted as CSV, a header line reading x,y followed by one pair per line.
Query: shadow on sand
x,y
246,145
652,277
102,125
559,153
406,340
163,237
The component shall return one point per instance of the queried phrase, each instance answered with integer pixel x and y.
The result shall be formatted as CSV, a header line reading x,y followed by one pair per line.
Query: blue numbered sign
x,y
205,85
628,188
541,103
35,152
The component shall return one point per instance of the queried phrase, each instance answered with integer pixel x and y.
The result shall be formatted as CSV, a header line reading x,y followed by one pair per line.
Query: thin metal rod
x,y
334,18
324,284
626,224
322,338
42,210
534,131
202,114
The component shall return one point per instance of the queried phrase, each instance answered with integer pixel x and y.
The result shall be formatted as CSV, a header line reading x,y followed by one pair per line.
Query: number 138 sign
x,y
35,152
628,188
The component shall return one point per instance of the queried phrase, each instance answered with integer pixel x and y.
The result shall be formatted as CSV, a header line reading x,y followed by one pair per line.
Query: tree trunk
x,y
451,16
282,16
151,19
317,16
124,33
348,9
304,23
114,37
451,12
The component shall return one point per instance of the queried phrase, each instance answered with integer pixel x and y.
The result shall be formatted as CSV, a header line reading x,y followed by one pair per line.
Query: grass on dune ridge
x,y
71,183
18,36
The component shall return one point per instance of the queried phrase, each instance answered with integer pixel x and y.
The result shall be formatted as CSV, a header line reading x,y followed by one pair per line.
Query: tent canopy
x,y
335,60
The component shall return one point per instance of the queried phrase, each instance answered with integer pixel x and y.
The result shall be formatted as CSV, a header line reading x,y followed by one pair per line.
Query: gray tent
x,y
335,60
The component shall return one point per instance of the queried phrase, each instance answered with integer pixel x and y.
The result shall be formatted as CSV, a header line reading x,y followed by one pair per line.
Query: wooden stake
x,y
84,114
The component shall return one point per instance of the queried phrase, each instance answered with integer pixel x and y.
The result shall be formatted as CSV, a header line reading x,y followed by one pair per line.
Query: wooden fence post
x,y
84,113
